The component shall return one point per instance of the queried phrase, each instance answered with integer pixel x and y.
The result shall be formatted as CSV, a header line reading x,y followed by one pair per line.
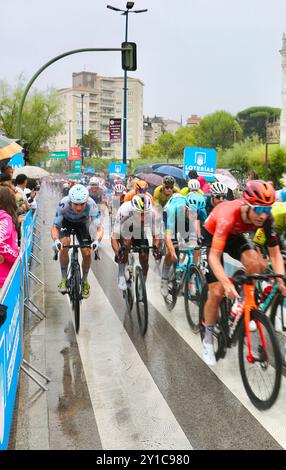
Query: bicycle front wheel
x,y
75,297
141,301
261,377
192,293
171,298
277,317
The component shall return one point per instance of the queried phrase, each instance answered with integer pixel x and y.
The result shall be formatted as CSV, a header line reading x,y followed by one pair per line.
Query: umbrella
x,y
151,178
9,149
224,176
177,173
170,170
31,172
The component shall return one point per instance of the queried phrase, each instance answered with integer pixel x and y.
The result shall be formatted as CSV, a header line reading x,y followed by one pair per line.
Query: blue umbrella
x,y
170,170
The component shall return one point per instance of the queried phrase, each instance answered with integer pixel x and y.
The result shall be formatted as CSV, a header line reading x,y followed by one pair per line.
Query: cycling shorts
x,y
81,231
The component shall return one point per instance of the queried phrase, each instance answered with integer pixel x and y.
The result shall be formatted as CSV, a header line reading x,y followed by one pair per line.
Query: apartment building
x,y
101,99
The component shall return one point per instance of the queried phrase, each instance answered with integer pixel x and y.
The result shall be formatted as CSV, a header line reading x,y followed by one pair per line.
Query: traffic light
x,y
26,152
129,56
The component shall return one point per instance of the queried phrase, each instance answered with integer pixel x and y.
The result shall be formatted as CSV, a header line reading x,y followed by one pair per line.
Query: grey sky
x,y
194,56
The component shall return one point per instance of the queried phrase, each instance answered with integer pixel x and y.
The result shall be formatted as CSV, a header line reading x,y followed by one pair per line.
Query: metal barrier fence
x,y
14,297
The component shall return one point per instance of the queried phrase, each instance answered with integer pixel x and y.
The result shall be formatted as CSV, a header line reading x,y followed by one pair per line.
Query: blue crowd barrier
x,y
11,332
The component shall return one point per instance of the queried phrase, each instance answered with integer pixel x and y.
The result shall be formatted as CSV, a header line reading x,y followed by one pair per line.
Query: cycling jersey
x,y
90,214
279,214
225,220
177,221
185,191
98,195
160,198
128,223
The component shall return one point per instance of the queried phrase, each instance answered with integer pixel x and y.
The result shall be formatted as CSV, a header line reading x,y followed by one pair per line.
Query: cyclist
x,y
281,195
218,193
180,219
130,229
279,214
79,212
198,201
163,192
115,200
65,190
139,187
97,192
224,232
193,186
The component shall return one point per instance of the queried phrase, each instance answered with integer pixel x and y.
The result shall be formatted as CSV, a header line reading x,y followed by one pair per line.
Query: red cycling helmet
x,y
259,193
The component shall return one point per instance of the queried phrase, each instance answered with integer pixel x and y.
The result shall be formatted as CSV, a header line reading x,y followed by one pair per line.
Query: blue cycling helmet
x,y
283,195
197,200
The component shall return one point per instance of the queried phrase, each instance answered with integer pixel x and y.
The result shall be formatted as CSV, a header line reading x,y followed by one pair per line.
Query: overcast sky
x,y
194,56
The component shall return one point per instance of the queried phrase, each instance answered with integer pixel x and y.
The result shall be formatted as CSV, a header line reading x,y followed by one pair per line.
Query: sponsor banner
x,y
17,161
117,170
10,353
200,159
115,131
74,153
63,154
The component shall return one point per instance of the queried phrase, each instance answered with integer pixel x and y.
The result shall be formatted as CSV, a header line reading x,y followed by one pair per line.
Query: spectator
x,y
6,180
22,201
204,185
7,170
193,175
9,250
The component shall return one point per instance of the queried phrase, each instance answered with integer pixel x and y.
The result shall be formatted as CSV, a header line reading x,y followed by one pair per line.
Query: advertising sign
x,y
74,153
117,170
17,161
77,166
59,155
115,131
10,356
200,159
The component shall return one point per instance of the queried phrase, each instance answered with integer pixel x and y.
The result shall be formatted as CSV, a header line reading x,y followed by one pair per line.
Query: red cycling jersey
x,y
225,220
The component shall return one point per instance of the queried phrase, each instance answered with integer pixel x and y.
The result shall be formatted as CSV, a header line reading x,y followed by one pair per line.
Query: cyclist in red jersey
x,y
224,231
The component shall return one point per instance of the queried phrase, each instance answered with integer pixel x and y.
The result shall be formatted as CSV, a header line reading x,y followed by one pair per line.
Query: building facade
x,y
194,120
101,99
283,111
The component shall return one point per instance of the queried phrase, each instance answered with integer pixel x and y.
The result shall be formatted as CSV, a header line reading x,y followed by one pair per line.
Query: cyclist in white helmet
x,y
115,200
218,193
193,186
98,193
79,212
133,220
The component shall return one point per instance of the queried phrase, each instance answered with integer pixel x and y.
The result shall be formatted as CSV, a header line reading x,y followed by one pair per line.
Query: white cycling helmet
x,y
119,188
193,185
66,185
94,181
78,194
141,203
218,188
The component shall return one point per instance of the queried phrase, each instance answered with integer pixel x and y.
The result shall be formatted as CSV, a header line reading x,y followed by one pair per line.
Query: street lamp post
x,y
129,6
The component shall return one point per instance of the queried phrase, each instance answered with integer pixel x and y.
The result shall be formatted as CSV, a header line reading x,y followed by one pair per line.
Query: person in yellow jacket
x,y
279,214
163,193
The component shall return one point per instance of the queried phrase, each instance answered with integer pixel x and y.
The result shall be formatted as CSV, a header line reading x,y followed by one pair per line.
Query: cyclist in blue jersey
x,y
180,220
79,212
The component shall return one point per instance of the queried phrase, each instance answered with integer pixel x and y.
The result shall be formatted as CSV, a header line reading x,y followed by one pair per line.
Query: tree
x,y
277,166
149,151
92,143
217,130
253,120
41,118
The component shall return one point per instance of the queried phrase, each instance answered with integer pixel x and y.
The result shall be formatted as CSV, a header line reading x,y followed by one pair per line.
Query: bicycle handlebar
x,y
243,278
96,255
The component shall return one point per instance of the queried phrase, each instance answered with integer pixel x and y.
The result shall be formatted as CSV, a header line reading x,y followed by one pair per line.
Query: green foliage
x,y
41,118
92,143
253,120
217,130
277,166
168,146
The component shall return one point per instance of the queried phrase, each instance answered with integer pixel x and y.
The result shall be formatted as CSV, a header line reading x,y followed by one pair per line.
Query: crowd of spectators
x,y
17,197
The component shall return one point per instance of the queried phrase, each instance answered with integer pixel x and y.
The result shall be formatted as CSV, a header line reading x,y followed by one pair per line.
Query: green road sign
x,y
77,166
59,154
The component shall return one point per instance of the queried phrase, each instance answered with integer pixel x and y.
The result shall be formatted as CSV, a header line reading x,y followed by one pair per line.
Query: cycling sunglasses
x,y
261,209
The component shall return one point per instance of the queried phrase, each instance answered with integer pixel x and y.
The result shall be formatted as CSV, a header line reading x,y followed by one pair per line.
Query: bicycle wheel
x,y
277,316
194,283
171,298
262,377
141,300
76,297
219,335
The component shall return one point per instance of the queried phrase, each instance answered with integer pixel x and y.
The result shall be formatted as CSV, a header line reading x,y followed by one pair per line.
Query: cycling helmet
x,y
66,185
78,194
197,200
259,193
119,188
141,203
140,186
94,181
218,188
282,195
168,181
193,185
